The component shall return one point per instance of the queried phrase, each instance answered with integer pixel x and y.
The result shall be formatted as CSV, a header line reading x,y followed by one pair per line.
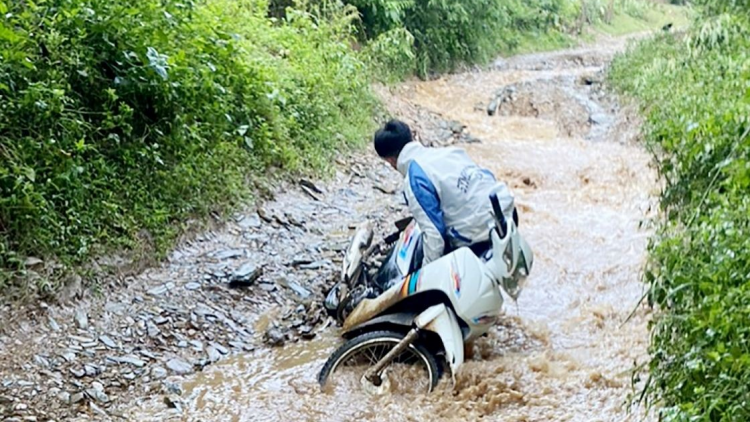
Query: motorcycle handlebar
x,y
499,216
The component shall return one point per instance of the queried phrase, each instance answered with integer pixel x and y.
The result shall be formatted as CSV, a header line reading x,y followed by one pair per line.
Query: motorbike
x,y
397,315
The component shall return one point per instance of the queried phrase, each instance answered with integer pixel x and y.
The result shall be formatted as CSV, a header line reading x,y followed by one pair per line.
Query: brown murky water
x,y
565,351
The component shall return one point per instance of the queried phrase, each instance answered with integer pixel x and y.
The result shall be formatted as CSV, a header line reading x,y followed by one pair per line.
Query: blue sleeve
x,y
427,196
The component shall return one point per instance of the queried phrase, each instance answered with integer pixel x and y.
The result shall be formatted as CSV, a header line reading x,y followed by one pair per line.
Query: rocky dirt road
x,y
231,327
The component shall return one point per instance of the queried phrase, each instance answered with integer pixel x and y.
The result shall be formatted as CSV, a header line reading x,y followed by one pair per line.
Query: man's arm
x,y
423,200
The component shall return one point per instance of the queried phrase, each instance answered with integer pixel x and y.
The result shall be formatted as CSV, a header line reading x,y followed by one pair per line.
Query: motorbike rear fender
x,y
400,321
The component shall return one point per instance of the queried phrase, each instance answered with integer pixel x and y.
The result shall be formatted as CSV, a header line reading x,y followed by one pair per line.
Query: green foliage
x,y
117,117
448,33
696,99
391,55
713,7
445,33
635,8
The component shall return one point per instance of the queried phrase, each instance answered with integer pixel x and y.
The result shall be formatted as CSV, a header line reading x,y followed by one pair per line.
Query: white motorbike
x,y
400,317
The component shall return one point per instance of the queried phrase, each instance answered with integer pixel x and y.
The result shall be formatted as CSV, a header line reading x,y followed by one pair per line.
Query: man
x,y
446,192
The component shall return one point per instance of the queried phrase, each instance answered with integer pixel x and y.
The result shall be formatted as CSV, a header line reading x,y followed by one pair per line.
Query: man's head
x,y
391,139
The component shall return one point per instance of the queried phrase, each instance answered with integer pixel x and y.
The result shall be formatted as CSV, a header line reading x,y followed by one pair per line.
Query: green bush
x,y
696,99
117,117
447,33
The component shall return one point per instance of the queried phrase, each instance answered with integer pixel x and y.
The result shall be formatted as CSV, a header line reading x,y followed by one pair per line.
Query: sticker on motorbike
x,y
456,281
485,320
411,283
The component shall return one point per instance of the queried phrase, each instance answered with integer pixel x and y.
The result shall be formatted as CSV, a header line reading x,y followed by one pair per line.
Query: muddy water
x,y
563,352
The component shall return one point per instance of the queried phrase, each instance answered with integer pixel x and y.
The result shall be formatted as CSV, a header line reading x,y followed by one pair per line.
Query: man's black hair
x,y
391,139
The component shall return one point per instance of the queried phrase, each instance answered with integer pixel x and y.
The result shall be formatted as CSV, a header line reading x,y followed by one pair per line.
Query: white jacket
x,y
449,197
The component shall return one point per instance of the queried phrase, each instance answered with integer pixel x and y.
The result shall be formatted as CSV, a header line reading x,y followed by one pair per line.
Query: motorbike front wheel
x,y
414,370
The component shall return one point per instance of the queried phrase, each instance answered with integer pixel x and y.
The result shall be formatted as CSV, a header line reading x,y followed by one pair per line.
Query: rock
x,y
53,324
313,265
306,332
229,254
263,215
173,402
75,398
172,388
456,127
309,192
293,220
147,353
131,360
179,366
193,286
68,356
98,410
107,341
80,339
115,307
152,330
249,222
310,185
160,320
213,354
157,372
492,107
77,372
300,260
64,397
300,291
160,290
82,320
91,371
197,344
221,349
240,345
274,337
41,361
268,287
245,275
385,189
182,344
97,395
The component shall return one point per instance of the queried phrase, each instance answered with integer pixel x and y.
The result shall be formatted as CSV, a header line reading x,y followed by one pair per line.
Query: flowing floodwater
x,y
566,350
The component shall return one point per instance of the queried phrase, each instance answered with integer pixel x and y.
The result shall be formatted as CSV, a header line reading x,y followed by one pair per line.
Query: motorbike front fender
x,y
441,320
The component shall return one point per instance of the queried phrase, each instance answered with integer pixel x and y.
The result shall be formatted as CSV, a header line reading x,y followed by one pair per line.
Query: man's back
x,y
446,189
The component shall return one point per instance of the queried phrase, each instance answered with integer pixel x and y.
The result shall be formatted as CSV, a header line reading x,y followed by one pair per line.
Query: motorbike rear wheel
x,y
416,368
